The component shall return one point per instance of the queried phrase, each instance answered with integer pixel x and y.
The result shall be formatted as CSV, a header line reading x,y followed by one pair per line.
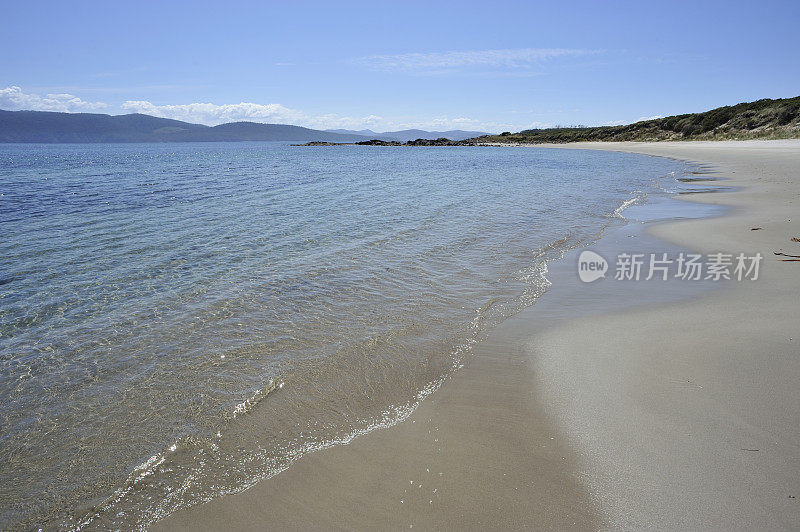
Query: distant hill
x,y
754,120
412,134
49,127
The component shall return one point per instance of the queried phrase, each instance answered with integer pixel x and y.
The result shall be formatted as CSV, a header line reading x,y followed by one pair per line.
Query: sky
x,y
482,66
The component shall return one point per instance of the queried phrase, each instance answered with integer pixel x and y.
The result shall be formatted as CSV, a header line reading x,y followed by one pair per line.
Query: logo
x,y
591,266
663,266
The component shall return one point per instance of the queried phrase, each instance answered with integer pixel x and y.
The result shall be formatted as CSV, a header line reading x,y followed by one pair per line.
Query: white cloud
x,y
13,99
514,58
274,113
213,114
625,122
537,125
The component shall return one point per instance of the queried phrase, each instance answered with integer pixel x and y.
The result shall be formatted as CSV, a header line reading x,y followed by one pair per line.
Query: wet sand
x,y
602,406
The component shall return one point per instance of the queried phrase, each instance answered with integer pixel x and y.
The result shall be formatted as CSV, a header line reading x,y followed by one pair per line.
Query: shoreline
x,y
538,460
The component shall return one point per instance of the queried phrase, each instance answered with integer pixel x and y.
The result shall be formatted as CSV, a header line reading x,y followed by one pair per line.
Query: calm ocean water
x,y
179,321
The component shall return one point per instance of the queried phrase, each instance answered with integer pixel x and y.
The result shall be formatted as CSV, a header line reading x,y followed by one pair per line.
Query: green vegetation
x,y
762,119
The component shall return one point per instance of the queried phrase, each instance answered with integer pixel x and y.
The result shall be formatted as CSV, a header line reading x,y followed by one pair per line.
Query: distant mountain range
x,y
410,134
49,127
38,126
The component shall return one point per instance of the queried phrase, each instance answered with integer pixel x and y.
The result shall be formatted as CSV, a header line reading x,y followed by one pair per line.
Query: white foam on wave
x,y
248,404
636,200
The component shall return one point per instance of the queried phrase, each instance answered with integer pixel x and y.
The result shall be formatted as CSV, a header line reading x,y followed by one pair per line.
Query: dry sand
x,y
602,406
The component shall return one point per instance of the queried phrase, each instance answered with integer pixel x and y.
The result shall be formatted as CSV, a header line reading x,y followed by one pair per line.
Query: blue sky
x,y
488,66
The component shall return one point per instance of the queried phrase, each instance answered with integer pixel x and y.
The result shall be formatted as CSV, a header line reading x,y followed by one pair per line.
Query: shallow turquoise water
x,y
179,321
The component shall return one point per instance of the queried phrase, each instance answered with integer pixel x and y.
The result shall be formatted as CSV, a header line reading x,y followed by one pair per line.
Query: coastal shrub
x,y
786,115
743,120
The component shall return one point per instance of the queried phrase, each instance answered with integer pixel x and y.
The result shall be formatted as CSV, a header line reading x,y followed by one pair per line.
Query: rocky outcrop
x,y
441,142
378,142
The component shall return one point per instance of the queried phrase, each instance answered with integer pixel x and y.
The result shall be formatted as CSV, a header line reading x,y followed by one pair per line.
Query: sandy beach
x,y
618,406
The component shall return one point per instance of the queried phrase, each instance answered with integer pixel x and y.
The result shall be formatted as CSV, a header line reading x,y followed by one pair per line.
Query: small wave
x,y
389,417
151,465
139,473
258,396
536,276
555,244
636,200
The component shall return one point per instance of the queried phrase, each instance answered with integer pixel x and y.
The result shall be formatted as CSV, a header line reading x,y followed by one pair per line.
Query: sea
x,y
181,321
